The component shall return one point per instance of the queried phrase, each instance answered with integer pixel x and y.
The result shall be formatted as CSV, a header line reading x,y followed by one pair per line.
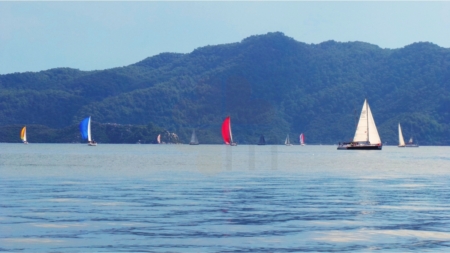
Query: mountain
x,y
269,84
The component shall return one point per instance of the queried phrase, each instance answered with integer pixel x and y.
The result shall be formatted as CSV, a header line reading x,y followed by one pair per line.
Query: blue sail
x,y
84,125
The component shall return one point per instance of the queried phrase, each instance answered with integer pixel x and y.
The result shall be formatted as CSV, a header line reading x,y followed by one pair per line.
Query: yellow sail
x,y
23,134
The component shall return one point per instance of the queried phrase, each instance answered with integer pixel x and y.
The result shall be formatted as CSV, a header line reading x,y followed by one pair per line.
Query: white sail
x,y
25,135
89,130
231,136
287,142
410,140
401,141
194,139
361,129
159,138
366,131
374,137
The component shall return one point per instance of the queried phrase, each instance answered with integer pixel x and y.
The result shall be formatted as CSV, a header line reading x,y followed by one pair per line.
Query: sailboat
x,y
158,138
262,140
287,142
366,135
226,132
194,140
411,143
85,129
401,141
23,135
302,139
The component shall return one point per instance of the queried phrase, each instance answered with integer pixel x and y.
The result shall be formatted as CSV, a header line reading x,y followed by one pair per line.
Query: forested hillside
x,y
269,84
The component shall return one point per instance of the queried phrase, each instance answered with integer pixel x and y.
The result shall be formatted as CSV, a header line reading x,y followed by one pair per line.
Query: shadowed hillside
x,y
269,84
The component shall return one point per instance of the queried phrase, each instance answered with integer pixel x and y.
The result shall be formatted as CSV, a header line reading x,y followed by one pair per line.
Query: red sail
x,y
226,131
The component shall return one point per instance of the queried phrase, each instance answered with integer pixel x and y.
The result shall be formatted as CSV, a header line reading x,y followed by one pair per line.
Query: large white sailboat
x,y
401,141
366,135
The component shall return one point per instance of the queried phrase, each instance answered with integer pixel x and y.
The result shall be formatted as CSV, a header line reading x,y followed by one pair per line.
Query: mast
x,y
367,116
229,126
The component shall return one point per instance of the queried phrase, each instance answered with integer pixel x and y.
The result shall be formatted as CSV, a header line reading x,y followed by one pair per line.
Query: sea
x,y
217,198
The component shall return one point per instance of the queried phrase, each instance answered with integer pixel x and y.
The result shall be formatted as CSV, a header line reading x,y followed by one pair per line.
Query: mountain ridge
x,y
270,84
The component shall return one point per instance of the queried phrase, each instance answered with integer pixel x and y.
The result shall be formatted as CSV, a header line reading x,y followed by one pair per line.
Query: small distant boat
x,y
287,142
262,140
194,140
23,135
302,139
85,129
158,138
226,132
401,141
366,135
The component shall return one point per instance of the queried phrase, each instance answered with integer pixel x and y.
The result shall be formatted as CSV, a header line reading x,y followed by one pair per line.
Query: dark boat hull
x,y
360,147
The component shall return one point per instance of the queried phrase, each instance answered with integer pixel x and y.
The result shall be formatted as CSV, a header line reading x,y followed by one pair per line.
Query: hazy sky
x,y
36,36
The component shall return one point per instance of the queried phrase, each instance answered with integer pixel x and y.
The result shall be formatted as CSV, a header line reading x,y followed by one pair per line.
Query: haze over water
x,y
215,198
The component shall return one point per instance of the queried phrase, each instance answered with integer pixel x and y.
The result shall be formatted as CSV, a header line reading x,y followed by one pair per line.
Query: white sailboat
x,y
287,142
194,140
366,134
401,141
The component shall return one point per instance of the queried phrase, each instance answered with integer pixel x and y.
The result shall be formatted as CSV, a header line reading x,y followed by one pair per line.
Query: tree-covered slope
x,y
269,84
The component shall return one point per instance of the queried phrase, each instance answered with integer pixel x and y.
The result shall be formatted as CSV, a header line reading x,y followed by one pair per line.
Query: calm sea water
x,y
213,198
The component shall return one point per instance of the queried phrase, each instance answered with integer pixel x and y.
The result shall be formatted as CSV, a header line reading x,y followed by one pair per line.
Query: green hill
x,y
269,84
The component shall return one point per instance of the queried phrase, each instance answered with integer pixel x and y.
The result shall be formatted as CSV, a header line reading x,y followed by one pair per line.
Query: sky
x,y
36,36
